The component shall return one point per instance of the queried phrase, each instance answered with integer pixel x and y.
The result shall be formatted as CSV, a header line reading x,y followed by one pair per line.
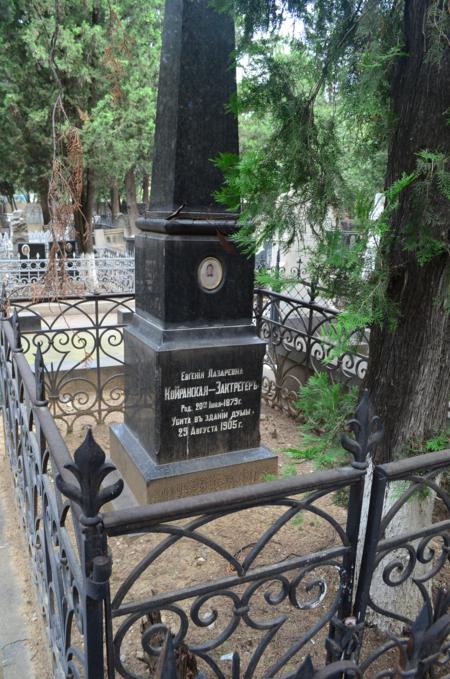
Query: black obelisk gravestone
x,y
193,361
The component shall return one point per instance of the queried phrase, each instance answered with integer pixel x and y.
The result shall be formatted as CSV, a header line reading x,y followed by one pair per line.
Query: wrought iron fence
x,y
66,543
301,336
20,276
81,342
107,275
276,607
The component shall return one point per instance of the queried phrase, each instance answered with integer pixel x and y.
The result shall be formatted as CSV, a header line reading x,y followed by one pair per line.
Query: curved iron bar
x,y
54,560
240,613
293,331
189,531
293,336
299,568
98,335
45,512
417,483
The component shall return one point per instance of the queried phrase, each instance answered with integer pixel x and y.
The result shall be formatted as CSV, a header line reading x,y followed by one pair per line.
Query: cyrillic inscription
x,y
202,408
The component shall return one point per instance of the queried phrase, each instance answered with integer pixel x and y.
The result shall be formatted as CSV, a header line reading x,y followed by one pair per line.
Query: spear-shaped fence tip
x,y
367,430
90,469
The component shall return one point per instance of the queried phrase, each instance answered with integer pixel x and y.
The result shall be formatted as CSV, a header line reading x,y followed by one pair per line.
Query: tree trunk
x,y
43,198
146,189
133,213
83,217
404,599
409,368
115,204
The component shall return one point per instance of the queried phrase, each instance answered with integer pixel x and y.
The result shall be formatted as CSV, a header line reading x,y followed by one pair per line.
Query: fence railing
x,y
107,274
301,338
20,276
66,542
272,599
81,341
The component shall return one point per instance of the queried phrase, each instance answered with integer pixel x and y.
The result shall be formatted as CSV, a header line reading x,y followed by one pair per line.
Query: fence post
x,y
371,539
368,432
15,324
3,302
39,378
90,469
98,369
309,333
259,310
309,336
312,291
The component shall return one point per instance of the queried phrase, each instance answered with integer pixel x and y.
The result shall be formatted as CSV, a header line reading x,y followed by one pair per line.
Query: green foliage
x,y
439,442
322,100
326,407
400,488
288,471
418,446
269,477
298,519
279,91
103,58
274,280
341,497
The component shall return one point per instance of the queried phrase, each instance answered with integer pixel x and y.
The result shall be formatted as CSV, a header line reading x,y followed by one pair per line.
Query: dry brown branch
x,y
117,51
64,199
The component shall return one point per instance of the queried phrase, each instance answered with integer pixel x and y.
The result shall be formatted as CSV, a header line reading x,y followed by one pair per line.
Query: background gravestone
x,y
33,214
193,361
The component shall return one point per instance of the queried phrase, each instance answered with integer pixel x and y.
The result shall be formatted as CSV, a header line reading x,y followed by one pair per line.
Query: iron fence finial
x,y
368,432
90,469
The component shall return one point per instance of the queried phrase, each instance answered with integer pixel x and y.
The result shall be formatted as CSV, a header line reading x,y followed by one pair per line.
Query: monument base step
x,y
151,482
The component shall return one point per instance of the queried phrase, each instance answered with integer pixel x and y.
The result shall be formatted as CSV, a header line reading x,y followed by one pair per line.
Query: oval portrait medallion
x,y
210,273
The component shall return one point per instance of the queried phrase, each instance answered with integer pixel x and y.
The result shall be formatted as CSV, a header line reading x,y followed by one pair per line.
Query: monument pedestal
x,y
151,482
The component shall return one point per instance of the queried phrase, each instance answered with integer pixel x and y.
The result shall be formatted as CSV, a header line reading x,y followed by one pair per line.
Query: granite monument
x,y
193,360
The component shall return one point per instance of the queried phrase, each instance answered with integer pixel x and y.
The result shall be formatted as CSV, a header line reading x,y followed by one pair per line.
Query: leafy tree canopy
x,y
102,58
322,99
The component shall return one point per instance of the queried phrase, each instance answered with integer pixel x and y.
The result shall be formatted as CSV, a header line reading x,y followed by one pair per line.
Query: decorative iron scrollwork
x,y
301,340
